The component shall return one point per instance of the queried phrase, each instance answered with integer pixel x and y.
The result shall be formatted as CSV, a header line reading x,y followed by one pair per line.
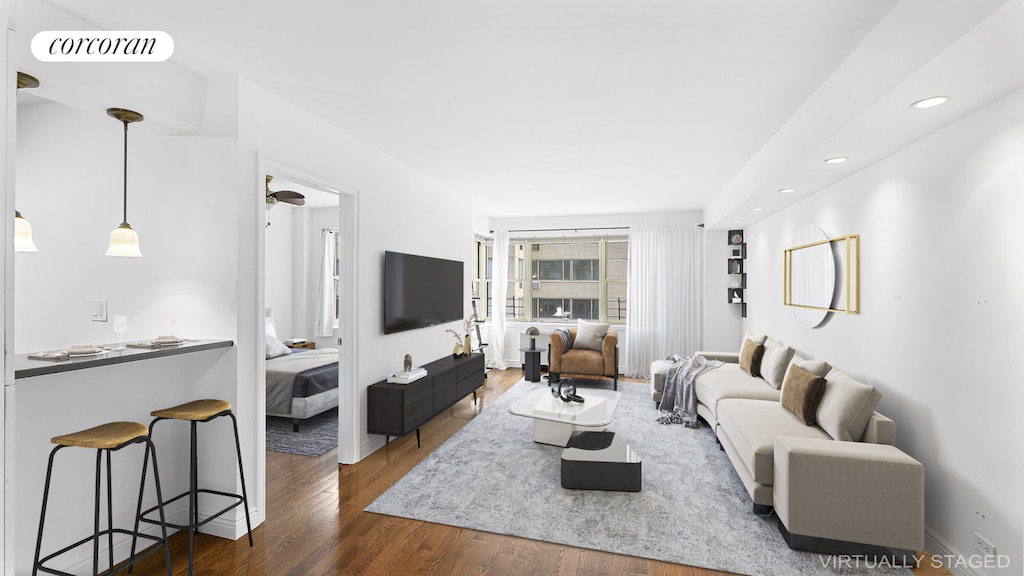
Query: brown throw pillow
x,y
802,393
750,357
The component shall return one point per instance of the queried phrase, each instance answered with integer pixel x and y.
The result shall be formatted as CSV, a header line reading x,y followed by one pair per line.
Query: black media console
x,y
398,409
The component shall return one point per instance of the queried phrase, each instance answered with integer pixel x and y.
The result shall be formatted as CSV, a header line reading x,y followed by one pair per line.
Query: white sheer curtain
x,y
325,284
499,286
666,278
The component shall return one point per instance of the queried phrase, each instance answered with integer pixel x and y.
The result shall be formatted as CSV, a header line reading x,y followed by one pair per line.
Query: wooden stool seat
x,y
197,410
104,436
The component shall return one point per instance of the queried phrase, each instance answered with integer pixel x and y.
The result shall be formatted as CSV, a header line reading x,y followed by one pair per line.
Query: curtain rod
x,y
571,229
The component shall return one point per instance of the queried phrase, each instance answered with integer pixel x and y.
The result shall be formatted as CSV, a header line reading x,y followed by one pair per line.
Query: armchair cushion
x,y
590,335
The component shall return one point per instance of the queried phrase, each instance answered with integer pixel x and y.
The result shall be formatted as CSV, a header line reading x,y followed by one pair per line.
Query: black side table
x,y
533,363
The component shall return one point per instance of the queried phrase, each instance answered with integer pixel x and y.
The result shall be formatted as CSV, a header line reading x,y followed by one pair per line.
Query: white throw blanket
x,y
678,396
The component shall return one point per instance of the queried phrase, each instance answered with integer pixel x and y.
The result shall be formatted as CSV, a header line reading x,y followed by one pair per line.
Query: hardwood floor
x,y
316,524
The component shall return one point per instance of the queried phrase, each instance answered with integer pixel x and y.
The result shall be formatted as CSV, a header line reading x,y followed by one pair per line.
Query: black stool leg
x,y
193,497
241,475
160,505
96,518
42,511
110,515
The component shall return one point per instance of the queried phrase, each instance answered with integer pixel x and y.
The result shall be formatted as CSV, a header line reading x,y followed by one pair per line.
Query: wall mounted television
x,y
421,291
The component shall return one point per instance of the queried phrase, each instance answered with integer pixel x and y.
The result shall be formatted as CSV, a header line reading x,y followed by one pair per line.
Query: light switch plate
x,y
98,311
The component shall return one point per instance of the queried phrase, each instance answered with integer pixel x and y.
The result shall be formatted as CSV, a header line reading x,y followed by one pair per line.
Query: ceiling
x,y
608,106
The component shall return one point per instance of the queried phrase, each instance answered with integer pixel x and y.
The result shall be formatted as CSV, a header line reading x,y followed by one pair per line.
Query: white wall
x,y
69,185
283,265
399,209
940,329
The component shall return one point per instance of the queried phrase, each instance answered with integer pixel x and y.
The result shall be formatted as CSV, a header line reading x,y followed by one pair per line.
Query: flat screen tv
x,y
421,291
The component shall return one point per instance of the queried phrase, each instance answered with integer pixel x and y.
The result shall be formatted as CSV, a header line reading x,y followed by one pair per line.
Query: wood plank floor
x,y
316,524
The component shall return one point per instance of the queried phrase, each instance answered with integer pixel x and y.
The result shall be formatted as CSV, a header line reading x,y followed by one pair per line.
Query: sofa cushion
x,y
579,361
590,335
753,337
846,406
750,357
752,426
729,381
774,364
802,394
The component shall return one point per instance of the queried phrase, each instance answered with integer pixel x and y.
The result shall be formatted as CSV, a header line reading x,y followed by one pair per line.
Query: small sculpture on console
x,y
407,363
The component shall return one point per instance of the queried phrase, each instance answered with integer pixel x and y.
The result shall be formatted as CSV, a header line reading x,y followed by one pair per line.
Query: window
x,y
568,278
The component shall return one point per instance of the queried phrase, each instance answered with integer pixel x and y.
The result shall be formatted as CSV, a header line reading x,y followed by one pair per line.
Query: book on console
x,y
407,377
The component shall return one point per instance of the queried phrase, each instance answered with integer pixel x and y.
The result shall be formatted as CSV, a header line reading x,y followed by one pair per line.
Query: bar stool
x,y
105,439
195,412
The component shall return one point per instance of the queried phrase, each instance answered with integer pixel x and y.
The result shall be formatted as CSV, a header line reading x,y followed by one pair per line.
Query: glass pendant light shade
x,y
23,235
124,242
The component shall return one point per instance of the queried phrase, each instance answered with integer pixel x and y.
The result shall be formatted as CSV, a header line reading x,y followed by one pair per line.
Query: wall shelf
x,y
737,270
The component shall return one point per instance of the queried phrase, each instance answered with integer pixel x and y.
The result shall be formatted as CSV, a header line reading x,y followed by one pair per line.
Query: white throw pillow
x,y
274,346
846,407
775,366
590,335
755,338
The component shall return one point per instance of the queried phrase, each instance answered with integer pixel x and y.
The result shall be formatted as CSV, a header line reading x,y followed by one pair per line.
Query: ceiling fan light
x,y
124,242
23,235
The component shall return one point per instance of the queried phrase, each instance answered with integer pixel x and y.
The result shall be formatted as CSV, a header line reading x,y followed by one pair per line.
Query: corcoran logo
x,y
102,46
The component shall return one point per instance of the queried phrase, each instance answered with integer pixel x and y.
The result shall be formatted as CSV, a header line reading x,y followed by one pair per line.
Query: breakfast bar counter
x,y
26,367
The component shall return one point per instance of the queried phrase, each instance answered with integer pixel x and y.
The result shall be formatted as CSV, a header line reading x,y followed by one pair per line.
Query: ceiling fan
x,y
286,196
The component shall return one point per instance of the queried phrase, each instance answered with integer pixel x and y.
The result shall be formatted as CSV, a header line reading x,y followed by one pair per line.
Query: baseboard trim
x,y
939,546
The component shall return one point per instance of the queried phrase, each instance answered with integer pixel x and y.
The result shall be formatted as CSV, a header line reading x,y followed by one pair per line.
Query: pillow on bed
x,y
275,347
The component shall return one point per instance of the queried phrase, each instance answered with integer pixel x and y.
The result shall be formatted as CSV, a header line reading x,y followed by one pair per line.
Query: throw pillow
x,y
802,394
274,346
750,357
846,406
590,335
773,366
753,337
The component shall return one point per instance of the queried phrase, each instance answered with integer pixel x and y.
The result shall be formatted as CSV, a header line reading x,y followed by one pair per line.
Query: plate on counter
x,y
85,354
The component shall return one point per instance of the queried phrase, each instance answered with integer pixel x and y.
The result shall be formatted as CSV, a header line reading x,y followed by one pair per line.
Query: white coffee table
x,y
554,420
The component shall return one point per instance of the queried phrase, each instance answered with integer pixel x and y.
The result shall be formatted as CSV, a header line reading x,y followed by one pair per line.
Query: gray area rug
x,y
316,436
692,510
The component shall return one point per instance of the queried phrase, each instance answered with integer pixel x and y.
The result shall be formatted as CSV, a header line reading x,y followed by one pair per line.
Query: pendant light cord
x,y
125,204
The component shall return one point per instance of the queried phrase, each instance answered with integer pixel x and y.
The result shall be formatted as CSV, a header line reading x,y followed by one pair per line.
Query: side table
x,y
532,363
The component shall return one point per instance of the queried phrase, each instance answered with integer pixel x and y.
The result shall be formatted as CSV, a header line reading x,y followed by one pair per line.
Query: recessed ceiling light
x,y
930,102
737,221
836,160
757,209
787,190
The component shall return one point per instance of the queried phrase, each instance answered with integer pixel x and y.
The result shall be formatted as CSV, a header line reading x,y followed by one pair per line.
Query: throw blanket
x,y
678,396
566,338
281,372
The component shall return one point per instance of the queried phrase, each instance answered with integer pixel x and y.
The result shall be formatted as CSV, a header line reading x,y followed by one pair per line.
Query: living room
x,y
932,194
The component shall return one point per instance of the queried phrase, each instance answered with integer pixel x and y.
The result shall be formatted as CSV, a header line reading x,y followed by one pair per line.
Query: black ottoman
x,y
600,461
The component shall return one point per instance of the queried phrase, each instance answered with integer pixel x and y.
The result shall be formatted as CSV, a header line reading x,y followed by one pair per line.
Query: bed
x,y
300,383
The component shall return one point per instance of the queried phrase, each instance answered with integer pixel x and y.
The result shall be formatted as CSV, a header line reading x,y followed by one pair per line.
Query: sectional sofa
x,y
805,441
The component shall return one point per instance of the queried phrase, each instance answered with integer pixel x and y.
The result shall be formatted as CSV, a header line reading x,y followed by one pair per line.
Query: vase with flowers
x,y
463,343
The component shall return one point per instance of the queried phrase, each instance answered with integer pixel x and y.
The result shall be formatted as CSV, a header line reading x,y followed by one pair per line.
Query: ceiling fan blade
x,y
297,201
282,194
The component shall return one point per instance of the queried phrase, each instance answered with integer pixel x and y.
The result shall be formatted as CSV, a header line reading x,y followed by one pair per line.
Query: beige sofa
x,y
838,482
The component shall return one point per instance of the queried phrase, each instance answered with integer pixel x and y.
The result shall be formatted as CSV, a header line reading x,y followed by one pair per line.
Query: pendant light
x,y
22,229
124,241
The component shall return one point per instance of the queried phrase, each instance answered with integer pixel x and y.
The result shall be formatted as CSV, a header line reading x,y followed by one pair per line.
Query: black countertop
x,y
24,367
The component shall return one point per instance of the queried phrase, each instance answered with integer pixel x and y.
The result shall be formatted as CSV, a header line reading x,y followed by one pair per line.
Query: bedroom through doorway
x,y
308,262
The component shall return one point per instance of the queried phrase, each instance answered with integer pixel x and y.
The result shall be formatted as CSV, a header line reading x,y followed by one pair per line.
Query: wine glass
x,y
120,326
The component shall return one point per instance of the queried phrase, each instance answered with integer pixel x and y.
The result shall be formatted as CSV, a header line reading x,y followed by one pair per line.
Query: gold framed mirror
x,y
824,275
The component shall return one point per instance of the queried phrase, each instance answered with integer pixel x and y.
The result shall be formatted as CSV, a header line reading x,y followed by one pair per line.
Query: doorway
x,y
293,240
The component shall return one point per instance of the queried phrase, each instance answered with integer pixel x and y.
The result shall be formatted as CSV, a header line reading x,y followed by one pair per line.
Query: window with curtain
x,y
559,278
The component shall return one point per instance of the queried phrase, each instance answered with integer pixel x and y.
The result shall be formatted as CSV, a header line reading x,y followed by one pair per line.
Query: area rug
x,y
316,436
692,510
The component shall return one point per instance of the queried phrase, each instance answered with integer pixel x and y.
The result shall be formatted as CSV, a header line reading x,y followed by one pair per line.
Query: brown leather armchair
x,y
582,363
